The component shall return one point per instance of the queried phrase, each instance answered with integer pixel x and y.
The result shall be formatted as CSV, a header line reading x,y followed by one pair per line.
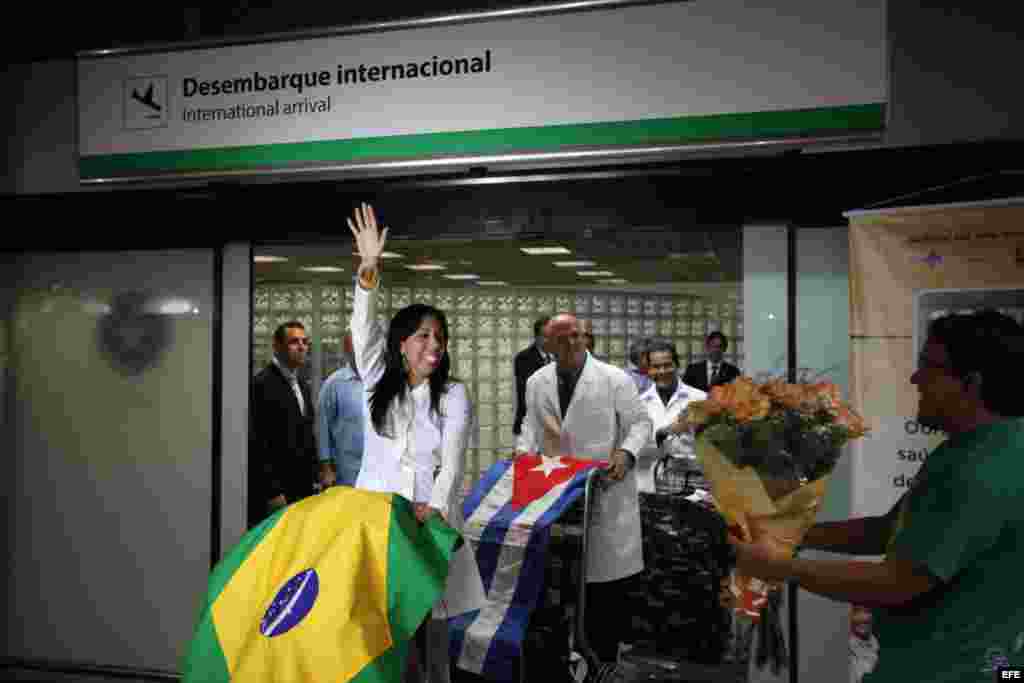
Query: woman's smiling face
x,y
423,349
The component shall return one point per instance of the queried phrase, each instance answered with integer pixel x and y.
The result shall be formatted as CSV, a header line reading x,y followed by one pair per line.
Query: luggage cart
x,y
642,663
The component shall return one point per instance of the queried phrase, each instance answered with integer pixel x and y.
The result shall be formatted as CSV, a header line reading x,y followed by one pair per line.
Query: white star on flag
x,y
549,465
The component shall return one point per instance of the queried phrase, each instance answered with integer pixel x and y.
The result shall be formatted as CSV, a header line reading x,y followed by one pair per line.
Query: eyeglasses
x,y
296,341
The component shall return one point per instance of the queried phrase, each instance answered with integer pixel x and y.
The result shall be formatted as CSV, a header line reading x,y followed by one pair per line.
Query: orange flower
x,y
746,401
723,394
743,399
789,396
700,412
751,409
824,395
847,417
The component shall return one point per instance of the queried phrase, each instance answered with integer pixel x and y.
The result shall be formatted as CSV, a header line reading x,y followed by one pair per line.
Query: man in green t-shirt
x,y
946,596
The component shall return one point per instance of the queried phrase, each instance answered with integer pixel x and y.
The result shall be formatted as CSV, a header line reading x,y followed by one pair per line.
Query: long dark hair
x,y
393,383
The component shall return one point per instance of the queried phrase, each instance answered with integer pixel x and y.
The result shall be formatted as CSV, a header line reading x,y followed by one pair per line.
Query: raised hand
x,y
369,239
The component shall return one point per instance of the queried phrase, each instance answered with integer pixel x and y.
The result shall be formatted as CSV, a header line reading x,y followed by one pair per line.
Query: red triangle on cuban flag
x,y
535,475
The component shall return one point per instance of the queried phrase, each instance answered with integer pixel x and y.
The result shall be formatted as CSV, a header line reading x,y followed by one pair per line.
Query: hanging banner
x,y
649,74
907,267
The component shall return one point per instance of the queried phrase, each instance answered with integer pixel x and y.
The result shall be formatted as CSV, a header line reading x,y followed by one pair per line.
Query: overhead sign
x,y
667,73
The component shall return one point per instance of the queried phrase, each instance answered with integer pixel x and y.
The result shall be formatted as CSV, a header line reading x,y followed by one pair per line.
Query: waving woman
x,y
419,417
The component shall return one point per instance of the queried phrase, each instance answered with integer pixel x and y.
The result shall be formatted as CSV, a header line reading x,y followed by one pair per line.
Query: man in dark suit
x,y
282,448
527,362
714,370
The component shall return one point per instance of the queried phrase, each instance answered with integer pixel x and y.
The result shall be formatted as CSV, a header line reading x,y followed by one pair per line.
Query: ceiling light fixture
x,y
323,269
544,251
594,273
575,264
391,254
176,307
268,259
492,283
613,281
425,266
463,276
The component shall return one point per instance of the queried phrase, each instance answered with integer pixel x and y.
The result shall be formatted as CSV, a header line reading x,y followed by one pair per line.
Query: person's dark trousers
x,y
608,616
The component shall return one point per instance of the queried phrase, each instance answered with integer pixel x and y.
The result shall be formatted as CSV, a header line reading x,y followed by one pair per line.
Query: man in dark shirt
x,y
714,370
527,362
282,448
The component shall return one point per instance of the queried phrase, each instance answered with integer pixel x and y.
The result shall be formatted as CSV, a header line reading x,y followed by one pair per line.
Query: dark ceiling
x,y
696,196
636,230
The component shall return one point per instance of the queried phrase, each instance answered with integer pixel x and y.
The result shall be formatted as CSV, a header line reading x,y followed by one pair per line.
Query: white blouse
x,y
662,416
422,454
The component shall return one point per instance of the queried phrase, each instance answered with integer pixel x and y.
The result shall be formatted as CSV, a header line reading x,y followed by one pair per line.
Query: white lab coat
x,y
604,415
681,446
419,443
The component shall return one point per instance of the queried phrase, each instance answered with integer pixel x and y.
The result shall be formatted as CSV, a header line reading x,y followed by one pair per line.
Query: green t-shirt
x,y
964,521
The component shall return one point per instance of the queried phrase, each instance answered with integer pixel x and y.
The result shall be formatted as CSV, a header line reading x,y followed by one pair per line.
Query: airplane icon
x,y
146,99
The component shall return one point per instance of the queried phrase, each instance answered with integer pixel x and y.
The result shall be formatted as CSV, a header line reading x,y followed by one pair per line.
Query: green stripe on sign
x,y
678,130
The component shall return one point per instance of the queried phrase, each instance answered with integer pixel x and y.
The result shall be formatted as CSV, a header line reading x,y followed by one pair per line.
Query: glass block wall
x,y
489,327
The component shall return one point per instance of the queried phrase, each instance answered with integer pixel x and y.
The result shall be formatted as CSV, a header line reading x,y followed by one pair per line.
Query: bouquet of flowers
x,y
768,450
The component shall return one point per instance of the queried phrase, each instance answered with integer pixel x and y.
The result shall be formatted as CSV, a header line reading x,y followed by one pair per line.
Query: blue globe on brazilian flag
x,y
331,588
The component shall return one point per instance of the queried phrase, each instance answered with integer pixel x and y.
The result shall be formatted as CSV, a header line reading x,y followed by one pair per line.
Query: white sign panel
x,y
640,74
886,462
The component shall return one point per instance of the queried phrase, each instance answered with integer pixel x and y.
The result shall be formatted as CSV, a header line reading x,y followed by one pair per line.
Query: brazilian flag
x,y
331,588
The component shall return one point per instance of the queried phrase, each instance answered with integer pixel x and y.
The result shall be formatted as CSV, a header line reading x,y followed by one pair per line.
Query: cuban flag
x,y
508,516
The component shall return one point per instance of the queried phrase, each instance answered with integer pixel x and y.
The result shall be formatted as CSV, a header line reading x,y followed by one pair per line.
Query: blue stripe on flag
x,y
503,657
489,550
483,487
457,627
504,652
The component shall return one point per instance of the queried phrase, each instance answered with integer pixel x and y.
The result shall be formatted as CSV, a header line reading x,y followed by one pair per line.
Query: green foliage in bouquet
x,y
791,431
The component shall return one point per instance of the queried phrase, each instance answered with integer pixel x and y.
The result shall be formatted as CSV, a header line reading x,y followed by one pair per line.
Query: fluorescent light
x,y
268,259
390,254
575,264
463,276
97,308
176,307
492,283
594,273
425,266
613,281
544,251
324,269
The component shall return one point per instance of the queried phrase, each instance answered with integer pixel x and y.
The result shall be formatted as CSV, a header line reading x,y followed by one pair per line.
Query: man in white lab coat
x,y
583,407
665,400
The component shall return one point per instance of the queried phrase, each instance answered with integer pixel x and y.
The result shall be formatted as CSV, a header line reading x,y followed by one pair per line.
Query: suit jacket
x,y
527,362
604,414
282,447
697,374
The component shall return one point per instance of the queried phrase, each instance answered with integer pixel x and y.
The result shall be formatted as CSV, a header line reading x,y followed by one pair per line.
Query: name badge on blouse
x,y
406,483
